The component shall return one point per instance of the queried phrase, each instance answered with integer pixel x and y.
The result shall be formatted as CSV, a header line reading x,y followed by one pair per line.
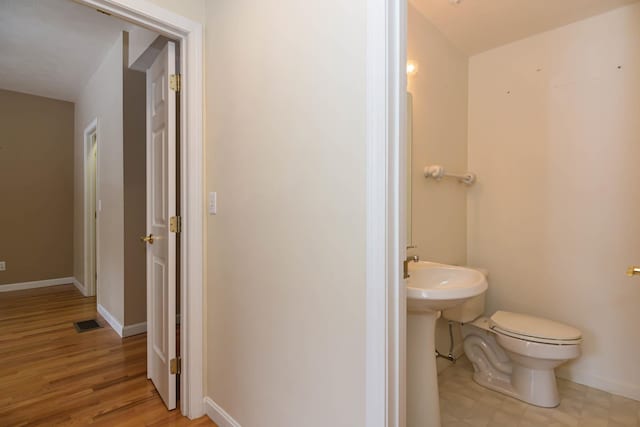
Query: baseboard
x,y
115,325
620,388
36,284
218,415
80,286
135,329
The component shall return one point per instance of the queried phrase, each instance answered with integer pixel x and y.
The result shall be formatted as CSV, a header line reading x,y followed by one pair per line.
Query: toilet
x,y
515,354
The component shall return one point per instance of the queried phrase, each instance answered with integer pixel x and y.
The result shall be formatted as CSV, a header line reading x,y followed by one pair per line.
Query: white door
x,y
161,242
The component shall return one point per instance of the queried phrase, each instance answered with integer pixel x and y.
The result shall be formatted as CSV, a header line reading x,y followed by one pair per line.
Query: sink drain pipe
x,y
450,357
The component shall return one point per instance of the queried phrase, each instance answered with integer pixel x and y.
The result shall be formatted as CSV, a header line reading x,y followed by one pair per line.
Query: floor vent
x,y
86,325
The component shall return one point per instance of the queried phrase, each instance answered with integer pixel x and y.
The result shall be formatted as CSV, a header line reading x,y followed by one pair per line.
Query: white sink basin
x,y
432,286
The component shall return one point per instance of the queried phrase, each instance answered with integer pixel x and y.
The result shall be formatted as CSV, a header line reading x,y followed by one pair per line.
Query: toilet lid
x,y
516,324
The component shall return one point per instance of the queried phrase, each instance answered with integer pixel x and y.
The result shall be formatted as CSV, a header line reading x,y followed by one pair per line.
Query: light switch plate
x,y
213,203
3,265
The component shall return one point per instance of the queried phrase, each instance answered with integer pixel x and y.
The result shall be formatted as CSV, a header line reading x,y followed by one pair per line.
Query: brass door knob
x,y
147,239
633,271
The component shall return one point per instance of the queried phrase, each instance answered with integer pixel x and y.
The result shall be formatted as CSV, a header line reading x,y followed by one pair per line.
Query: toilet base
x,y
533,386
529,379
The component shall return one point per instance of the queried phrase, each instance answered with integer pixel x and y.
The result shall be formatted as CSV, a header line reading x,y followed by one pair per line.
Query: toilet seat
x,y
534,329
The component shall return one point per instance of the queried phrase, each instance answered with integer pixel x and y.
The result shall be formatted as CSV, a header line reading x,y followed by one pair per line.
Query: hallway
x,y
52,375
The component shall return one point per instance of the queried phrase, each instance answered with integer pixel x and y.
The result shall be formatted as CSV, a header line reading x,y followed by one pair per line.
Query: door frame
x,y
189,35
90,239
385,303
386,313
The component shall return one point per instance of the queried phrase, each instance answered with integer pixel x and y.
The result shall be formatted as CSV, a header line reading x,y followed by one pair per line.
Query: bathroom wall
x,y
554,136
439,209
439,88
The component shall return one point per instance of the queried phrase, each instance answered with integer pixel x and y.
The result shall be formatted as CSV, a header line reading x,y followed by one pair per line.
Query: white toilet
x,y
515,354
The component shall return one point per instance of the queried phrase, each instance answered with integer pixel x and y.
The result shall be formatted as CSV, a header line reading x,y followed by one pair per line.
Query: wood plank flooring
x,y
52,375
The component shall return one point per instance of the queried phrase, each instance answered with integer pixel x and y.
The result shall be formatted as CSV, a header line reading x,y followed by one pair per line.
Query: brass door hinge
x,y
175,224
175,366
175,82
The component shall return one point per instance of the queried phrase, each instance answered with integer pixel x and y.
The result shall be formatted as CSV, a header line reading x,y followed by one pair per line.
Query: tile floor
x,y
464,403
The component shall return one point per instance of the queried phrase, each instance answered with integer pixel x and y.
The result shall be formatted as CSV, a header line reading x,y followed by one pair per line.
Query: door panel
x,y
161,206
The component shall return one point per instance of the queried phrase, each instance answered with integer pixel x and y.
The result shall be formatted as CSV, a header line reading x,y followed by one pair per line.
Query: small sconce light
x,y
412,68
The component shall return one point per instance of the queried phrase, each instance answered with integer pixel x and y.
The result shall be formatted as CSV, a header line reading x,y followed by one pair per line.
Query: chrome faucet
x,y
405,264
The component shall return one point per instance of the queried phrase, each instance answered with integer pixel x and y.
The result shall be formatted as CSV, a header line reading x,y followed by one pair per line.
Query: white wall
x,y
554,135
286,251
439,209
102,98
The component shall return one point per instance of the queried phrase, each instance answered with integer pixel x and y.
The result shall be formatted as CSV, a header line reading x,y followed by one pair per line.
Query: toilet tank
x,y
469,310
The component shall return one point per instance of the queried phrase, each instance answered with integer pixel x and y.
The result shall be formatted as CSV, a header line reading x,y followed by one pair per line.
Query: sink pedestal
x,y
423,403
431,287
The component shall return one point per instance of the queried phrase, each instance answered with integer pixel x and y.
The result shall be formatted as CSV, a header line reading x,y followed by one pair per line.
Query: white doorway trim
x,y
90,200
386,238
189,34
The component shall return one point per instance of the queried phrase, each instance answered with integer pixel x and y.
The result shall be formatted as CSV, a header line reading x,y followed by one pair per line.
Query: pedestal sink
x,y
431,287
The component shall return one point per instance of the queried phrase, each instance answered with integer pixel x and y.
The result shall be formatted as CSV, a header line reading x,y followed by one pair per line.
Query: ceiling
x,y
51,48
478,25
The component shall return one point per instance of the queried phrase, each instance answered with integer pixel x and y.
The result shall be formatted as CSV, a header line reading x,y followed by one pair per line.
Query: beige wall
x,y
36,188
135,194
554,135
439,209
102,97
285,296
192,9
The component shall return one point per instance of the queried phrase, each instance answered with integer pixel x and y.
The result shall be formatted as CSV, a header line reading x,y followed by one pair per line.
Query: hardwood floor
x,y
52,375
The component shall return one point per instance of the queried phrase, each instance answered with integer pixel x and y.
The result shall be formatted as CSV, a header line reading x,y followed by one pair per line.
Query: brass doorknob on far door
x,y
147,239
633,271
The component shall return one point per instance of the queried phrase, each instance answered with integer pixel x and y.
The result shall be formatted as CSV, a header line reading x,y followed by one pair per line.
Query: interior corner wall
x,y
554,136
135,194
102,97
439,209
139,40
36,184
286,150
439,127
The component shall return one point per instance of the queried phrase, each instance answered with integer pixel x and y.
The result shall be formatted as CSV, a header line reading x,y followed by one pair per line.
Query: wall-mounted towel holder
x,y
437,172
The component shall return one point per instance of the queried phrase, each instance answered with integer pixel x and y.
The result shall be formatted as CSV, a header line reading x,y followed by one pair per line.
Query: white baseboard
x,y
218,415
36,284
80,286
620,388
115,325
135,329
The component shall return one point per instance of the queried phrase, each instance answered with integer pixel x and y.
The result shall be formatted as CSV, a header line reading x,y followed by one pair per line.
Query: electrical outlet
x,y
3,265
